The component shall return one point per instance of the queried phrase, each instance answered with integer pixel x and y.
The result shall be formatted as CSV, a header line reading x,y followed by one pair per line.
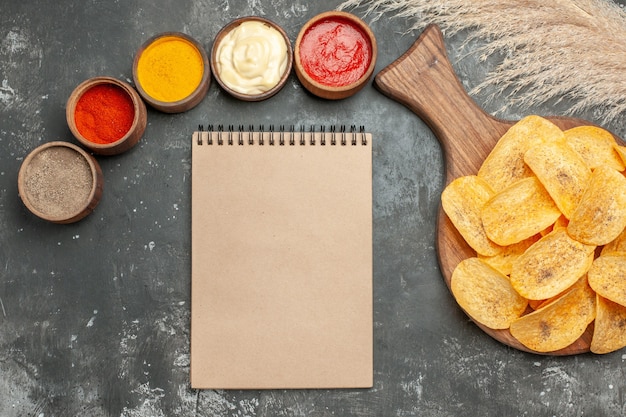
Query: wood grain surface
x,y
424,80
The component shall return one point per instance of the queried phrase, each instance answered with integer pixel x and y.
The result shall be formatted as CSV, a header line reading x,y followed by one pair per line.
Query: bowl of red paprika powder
x,y
106,115
335,55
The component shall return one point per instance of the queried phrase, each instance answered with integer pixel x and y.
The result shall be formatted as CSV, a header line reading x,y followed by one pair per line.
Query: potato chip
x,y
535,304
462,200
607,276
519,212
551,265
560,222
621,151
503,261
505,163
557,324
485,294
609,332
601,215
595,145
616,245
562,172
542,303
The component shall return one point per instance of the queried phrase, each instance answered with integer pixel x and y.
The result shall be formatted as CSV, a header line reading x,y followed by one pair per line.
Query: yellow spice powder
x,y
170,69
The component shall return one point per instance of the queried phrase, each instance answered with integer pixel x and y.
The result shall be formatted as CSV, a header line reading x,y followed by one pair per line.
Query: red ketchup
x,y
335,52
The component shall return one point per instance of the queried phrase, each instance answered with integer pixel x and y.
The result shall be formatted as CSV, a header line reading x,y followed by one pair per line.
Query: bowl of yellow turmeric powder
x,y
106,115
171,72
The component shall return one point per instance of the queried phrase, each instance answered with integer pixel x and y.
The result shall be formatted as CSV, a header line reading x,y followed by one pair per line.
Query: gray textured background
x,y
95,315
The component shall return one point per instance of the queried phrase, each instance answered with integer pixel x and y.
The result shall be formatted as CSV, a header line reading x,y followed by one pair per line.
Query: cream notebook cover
x,y
281,261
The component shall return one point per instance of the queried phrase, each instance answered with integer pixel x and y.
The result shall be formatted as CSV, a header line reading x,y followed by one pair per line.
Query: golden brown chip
x,y
560,222
551,265
595,145
601,215
519,212
462,200
562,172
505,163
503,261
609,332
558,324
542,303
535,304
486,294
621,151
616,245
607,276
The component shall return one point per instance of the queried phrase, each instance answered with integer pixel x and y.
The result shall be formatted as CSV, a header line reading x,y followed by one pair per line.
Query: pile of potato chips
x,y
546,215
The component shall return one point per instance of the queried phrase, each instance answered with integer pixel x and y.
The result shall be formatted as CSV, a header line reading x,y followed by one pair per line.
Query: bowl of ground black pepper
x,y
60,182
106,115
171,72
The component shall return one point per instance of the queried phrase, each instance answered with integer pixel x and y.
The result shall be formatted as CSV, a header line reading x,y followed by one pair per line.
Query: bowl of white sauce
x,y
251,58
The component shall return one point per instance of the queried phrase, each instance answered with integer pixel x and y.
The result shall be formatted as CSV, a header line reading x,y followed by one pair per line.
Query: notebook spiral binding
x,y
230,135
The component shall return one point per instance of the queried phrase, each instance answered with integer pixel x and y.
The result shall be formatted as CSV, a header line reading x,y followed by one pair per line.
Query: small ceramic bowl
x,y
351,61
251,58
90,108
171,71
60,182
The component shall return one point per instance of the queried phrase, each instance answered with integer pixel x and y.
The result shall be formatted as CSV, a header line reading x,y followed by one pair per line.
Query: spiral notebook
x,y
281,260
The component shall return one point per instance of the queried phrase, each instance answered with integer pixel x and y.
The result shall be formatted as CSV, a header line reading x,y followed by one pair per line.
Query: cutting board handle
x,y
424,80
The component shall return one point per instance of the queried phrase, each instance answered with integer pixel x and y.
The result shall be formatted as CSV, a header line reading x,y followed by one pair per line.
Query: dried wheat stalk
x,y
553,50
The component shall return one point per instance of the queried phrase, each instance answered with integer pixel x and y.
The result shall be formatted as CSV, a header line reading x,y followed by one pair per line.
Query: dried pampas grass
x,y
553,50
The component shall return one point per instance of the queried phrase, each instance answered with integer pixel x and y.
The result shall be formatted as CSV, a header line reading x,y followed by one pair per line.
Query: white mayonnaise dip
x,y
252,58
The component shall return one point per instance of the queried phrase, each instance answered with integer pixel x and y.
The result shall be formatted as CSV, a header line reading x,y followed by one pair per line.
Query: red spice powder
x,y
335,52
104,113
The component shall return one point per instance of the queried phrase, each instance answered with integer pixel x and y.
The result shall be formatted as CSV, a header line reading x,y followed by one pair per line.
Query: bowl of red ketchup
x,y
335,55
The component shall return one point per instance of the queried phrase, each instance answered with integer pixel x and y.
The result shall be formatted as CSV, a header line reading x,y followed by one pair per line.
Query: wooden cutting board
x,y
424,81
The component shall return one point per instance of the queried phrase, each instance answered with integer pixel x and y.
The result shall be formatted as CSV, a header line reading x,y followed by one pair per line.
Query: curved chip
x,y
462,200
535,304
601,215
505,163
519,212
560,222
551,265
503,261
486,294
609,332
621,151
595,145
616,245
559,323
607,276
562,172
